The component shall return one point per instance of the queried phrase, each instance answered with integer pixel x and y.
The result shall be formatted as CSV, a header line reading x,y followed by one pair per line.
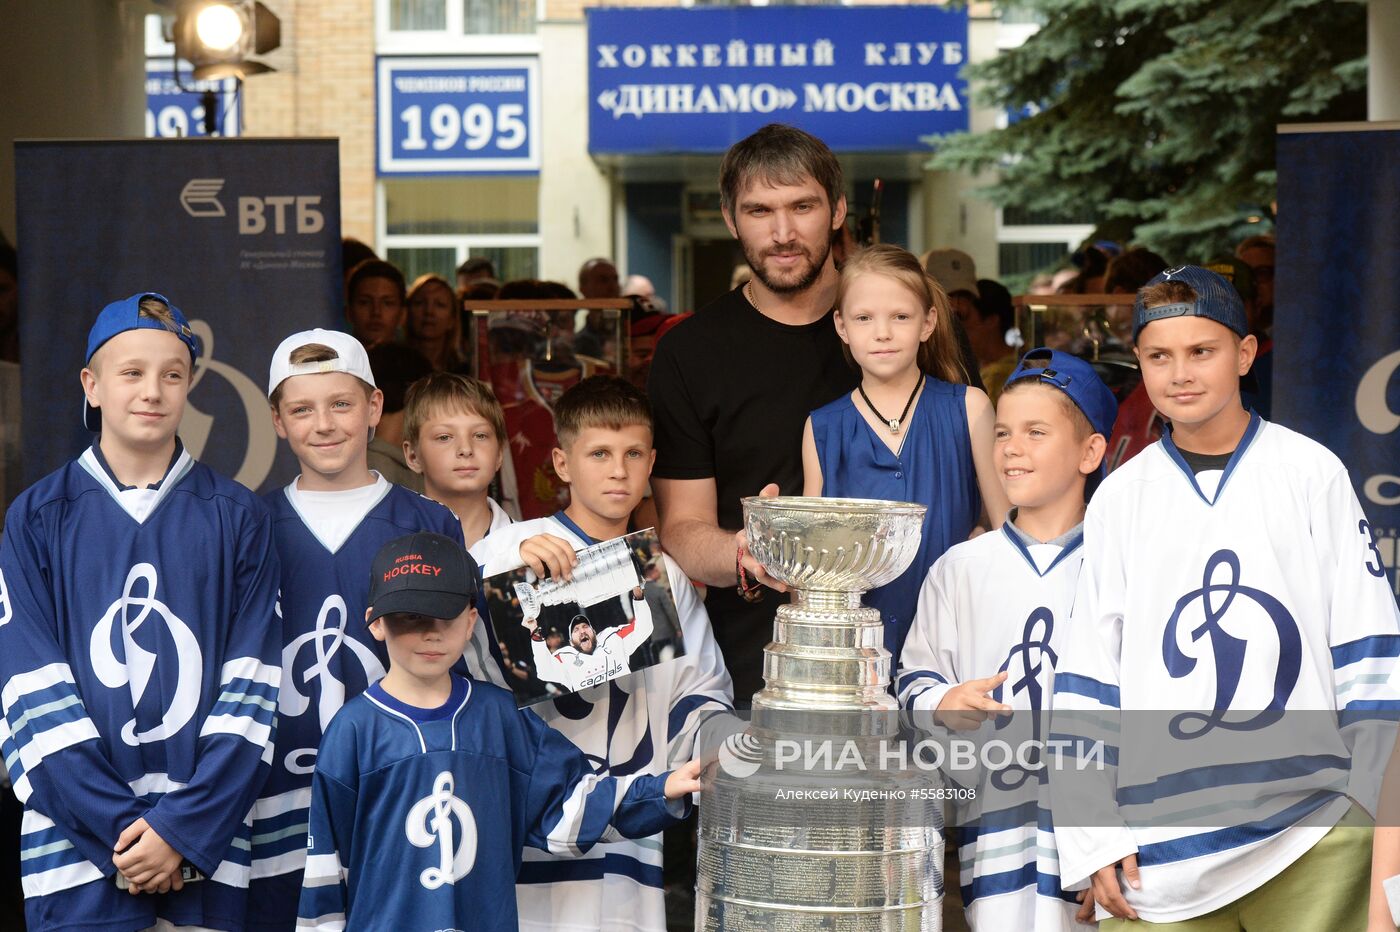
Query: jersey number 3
x,y
1379,568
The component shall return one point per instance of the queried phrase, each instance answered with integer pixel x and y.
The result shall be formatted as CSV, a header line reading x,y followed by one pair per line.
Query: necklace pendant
x,y
894,425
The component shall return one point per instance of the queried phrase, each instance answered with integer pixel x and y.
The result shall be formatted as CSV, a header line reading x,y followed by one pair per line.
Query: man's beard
x,y
804,279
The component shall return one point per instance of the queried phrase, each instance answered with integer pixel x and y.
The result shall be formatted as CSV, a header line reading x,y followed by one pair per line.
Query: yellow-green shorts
x,y
1328,889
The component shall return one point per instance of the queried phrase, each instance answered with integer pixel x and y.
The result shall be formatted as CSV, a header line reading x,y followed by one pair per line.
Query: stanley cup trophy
x,y
769,859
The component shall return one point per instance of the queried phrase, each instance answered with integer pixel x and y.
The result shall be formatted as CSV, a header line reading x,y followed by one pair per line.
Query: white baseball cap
x,y
351,357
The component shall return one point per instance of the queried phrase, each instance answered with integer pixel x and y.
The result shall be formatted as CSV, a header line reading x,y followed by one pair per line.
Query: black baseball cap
x,y
421,574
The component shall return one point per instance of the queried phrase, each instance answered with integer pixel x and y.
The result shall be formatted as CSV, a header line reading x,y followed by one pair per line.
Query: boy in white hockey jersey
x,y
454,433
1228,570
328,523
429,784
638,723
138,653
992,620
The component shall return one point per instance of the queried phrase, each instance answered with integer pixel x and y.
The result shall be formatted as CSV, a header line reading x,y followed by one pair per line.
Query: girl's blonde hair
x,y
453,352
939,355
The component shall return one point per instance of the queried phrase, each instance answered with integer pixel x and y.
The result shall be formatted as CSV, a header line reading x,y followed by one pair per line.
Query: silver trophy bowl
x,y
845,545
769,861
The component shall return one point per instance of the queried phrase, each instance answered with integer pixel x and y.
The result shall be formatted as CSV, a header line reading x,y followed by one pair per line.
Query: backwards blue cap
x,y
121,316
1077,379
1216,299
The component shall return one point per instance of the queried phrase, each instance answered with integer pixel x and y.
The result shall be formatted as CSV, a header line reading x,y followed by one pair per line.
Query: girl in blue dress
x,y
913,430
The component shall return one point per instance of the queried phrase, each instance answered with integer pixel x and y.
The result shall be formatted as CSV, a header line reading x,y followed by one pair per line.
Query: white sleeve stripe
x,y
232,874
290,801
22,684
250,668
322,869
22,788
241,725
59,878
34,821
330,922
56,739
563,838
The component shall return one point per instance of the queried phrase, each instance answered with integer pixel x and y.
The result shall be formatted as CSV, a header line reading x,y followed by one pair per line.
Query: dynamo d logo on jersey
x,y
319,675
1251,643
167,641
1030,655
430,821
6,612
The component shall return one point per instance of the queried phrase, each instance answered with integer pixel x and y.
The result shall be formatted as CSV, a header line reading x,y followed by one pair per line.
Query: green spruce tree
x,y
1157,117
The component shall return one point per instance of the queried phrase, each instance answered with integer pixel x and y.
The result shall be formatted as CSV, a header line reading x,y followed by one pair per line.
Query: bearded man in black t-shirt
x,y
733,385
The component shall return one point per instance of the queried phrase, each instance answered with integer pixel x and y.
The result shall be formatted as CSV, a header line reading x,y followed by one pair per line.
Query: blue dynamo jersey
x,y
419,825
328,657
140,668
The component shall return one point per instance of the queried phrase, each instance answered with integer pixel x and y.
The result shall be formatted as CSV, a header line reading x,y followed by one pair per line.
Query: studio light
x,y
218,37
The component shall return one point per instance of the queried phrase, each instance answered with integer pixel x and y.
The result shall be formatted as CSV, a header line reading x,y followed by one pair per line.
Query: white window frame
x,y
451,40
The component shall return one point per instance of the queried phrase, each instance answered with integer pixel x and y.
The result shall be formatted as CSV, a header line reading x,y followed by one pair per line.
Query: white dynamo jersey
x,y
988,605
1256,589
640,723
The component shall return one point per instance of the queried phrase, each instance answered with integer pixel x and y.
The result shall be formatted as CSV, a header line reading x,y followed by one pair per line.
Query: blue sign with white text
x,y
861,78
176,108
458,115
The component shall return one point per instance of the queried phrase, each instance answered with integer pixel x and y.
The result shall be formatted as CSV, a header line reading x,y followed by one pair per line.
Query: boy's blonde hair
x,y
311,352
156,309
600,401
1167,292
452,392
939,355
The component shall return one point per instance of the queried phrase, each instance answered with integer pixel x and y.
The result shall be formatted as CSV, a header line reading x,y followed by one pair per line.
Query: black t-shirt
x,y
731,390
1204,462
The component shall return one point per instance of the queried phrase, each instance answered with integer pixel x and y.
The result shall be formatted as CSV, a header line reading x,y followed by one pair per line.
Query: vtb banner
x,y
1336,368
861,78
243,235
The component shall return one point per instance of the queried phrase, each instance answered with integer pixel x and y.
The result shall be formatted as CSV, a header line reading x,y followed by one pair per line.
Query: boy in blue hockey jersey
x,y
429,784
636,723
992,618
1228,569
138,652
328,524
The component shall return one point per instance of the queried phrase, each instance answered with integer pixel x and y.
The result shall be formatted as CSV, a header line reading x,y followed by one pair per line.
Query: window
x,y
450,26
436,224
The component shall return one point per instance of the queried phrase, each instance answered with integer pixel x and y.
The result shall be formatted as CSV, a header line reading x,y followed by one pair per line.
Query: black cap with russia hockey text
x,y
421,574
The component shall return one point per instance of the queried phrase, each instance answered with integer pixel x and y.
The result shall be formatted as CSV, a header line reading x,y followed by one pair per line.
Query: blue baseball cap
x,y
1216,299
1077,379
121,316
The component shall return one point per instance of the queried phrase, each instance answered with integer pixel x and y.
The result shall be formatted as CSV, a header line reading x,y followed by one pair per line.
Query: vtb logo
x,y
430,821
200,197
276,214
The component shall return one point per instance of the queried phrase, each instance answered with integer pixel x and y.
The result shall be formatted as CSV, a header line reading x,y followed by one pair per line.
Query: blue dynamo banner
x,y
242,235
1337,323
863,79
